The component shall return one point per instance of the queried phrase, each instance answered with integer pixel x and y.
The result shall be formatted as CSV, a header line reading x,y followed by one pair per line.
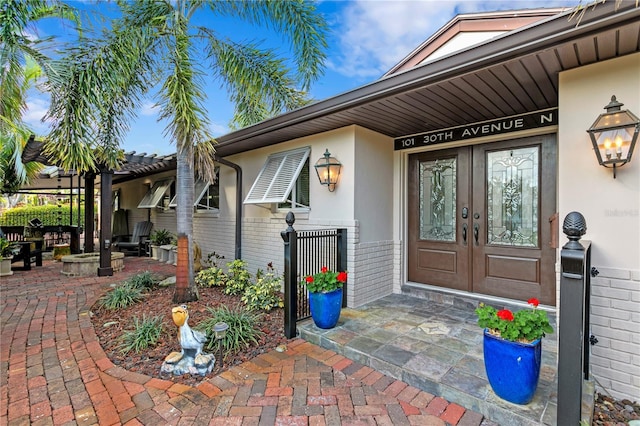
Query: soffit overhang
x,y
513,74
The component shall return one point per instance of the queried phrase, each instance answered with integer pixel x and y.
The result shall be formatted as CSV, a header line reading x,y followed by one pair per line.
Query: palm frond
x,y
295,20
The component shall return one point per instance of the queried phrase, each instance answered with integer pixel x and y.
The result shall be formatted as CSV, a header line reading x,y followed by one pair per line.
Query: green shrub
x,y
143,281
238,278
243,327
144,333
49,214
265,293
120,297
211,277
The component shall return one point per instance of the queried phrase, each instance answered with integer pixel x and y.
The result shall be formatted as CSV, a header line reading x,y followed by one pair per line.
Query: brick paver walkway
x,y
54,372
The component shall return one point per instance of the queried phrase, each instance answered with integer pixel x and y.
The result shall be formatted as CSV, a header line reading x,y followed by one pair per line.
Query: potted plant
x,y
512,349
159,238
325,296
7,250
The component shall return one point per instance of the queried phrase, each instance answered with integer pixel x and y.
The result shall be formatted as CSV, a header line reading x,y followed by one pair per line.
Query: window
x,y
207,196
299,196
157,192
284,179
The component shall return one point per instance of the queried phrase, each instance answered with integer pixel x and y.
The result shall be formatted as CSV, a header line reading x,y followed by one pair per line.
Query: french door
x,y
479,218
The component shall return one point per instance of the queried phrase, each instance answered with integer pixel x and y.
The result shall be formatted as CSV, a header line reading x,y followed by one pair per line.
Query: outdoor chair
x,y
27,255
136,241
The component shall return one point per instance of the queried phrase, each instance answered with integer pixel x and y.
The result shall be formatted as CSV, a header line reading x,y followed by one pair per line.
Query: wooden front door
x,y
479,218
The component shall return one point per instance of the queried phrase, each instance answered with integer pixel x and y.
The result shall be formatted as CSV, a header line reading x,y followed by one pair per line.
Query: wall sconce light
x,y
328,170
614,135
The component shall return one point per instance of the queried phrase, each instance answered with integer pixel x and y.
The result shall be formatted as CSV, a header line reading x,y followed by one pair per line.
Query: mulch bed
x,y
611,412
109,327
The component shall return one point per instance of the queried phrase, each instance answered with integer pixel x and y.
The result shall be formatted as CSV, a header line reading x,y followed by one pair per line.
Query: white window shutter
x,y
199,189
155,194
277,177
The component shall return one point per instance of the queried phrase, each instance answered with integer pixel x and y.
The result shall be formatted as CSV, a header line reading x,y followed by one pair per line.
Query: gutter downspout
x,y
238,249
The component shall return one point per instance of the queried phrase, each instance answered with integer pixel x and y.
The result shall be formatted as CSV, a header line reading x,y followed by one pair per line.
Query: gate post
x,y
342,259
574,309
290,277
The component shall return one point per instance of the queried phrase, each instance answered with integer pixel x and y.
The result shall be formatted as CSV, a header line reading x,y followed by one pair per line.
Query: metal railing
x,y
50,235
574,328
305,253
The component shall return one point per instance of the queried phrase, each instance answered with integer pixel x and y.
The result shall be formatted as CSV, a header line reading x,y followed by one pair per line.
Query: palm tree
x,y
22,62
157,44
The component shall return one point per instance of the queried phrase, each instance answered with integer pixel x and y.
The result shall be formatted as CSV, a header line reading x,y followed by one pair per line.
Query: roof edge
x,y
557,29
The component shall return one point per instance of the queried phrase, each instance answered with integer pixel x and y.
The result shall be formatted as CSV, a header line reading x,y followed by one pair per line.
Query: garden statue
x,y
190,359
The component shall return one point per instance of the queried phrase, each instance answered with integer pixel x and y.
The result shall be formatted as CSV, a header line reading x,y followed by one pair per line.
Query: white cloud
x,y
36,109
149,109
374,35
217,129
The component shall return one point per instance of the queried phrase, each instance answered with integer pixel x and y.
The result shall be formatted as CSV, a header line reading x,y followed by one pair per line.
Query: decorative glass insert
x,y
513,197
437,180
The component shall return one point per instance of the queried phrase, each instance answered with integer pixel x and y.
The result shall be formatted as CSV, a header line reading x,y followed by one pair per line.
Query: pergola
x,y
134,166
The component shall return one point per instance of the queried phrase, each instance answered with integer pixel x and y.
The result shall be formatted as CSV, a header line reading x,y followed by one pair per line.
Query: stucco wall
x,y
324,204
373,176
611,208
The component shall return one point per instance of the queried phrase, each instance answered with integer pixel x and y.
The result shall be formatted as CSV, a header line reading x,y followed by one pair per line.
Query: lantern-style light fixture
x,y
614,135
328,170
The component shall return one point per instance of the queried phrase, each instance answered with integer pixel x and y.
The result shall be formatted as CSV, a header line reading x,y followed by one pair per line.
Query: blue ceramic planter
x,y
325,308
513,368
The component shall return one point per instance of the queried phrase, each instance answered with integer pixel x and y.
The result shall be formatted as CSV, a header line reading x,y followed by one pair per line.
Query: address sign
x,y
532,120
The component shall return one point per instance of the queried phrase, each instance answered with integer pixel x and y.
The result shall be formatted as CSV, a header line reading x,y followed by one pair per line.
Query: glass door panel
x,y
437,199
513,197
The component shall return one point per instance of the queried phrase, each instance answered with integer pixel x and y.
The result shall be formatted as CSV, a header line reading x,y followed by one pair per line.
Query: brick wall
x,y
615,321
372,274
164,220
214,234
370,265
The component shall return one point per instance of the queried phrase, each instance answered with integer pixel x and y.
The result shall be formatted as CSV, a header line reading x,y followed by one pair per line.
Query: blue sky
x,y
366,38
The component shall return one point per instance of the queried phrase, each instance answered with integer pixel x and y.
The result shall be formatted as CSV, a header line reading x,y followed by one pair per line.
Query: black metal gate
x,y
305,253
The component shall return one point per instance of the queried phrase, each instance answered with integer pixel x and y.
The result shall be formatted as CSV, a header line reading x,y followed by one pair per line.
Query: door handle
x,y
464,233
476,231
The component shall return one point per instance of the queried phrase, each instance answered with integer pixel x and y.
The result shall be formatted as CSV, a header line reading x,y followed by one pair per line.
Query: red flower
x,y
342,277
533,301
324,269
309,279
505,314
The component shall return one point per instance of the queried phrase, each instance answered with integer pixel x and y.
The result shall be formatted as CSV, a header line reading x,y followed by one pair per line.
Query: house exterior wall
x,y
262,224
372,270
611,208
131,193
356,204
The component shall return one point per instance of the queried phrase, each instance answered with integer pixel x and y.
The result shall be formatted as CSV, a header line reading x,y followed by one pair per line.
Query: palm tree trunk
x,y
186,290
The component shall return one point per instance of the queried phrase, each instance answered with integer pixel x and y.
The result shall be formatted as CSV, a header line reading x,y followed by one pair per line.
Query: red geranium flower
x,y
325,281
505,314
526,325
